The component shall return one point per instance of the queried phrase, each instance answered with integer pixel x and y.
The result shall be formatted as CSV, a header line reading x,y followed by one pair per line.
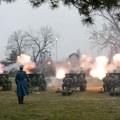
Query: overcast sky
x,y
64,21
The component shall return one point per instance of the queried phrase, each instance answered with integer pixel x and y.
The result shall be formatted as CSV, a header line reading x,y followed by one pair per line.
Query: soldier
x,y
83,82
74,81
116,82
106,83
42,83
66,82
112,82
21,84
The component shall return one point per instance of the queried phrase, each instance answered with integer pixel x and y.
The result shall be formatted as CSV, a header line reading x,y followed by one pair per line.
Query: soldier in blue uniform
x,y
20,80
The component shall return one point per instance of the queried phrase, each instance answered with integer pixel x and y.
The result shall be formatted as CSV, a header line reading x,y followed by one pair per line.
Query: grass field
x,y
53,106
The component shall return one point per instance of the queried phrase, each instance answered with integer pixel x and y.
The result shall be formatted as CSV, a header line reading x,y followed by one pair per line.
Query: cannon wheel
x,y
82,88
9,85
4,87
66,93
42,87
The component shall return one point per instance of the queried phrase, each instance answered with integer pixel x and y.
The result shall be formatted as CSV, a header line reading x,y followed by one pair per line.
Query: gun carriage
x,y
111,84
37,80
71,82
5,82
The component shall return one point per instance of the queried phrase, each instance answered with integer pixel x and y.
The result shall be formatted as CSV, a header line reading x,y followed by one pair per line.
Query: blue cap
x,y
21,66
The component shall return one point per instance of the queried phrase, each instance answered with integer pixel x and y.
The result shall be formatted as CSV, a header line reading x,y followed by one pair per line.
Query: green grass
x,y
53,106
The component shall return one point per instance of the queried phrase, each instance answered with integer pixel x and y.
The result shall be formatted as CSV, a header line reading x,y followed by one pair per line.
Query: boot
x,y
19,99
22,99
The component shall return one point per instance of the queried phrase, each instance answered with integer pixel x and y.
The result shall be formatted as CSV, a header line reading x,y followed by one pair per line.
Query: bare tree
x,y
84,7
112,17
16,42
30,42
39,41
108,38
7,1
11,58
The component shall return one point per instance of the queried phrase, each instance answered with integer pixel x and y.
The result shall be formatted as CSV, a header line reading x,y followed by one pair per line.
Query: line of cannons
x,y
71,82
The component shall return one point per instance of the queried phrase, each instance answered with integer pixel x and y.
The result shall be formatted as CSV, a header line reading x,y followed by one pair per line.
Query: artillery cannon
x,y
73,81
37,80
5,82
111,84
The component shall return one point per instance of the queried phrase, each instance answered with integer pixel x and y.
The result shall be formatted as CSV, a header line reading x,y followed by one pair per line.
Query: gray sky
x,y
64,21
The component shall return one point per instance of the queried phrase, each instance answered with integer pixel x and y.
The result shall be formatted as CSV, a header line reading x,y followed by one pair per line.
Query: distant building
x,y
74,61
74,55
79,53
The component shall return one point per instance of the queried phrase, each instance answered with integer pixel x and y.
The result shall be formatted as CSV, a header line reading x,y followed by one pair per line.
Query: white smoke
x,y
61,69
97,67
101,65
53,82
85,62
22,59
1,68
27,62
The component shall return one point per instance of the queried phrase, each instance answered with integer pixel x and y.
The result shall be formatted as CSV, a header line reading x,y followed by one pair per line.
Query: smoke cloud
x,y
22,59
97,67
